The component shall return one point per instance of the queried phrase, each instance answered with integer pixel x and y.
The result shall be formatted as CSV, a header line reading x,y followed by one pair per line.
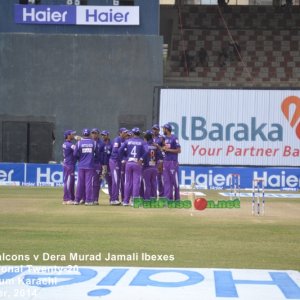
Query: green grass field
x,y
33,221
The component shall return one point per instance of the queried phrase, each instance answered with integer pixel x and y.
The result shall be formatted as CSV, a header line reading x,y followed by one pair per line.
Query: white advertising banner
x,y
30,282
108,15
234,127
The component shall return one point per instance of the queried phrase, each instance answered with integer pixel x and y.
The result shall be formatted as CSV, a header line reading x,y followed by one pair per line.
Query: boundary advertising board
x,y
205,176
234,127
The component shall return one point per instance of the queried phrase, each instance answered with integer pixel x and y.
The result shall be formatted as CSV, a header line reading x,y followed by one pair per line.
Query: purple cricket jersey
x,y
99,152
107,150
116,144
132,149
152,155
158,139
171,142
85,153
69,159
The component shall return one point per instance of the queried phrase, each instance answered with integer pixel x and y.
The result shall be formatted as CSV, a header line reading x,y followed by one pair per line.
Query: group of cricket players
x,y
134,164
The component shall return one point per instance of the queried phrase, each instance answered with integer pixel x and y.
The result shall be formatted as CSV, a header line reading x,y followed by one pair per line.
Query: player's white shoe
x,y
115,202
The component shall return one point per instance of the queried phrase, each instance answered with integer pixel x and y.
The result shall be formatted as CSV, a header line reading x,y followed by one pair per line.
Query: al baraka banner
x,y
234,127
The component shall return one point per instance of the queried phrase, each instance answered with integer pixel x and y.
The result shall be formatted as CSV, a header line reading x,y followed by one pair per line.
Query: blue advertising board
x,y
12,172
218,177
77,15
31,174
204,176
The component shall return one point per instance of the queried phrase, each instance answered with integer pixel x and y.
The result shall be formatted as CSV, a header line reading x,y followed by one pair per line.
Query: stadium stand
x,y
267,37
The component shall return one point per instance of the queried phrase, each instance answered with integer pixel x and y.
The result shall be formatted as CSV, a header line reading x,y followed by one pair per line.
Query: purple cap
x,y
95,130
135,130
123,129
168,126
155,126
148,132
69,132
86,132
104,132
148,135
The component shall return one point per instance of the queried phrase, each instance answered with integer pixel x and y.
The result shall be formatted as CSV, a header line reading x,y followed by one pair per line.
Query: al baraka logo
x,y
291,109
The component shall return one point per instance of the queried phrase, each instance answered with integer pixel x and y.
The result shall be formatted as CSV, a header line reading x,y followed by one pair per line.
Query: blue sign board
x,y
77,15
218,177
203,176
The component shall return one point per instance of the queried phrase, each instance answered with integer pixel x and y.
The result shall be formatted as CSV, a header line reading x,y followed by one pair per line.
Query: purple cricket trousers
x,y
97,181
108,180
160,184
150,183
170,177
115,169
122,181
69,182
133,174
84,189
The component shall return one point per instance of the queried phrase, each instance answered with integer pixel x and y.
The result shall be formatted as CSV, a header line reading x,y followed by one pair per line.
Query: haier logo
x,y
77,15
43,14
291,110
107,15
44,283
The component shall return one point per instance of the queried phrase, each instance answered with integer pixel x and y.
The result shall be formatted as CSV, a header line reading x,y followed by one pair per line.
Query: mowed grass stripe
x,y
33,221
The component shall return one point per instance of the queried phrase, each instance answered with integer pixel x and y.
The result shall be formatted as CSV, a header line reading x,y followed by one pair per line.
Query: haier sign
x,y
114,283
31,174
77,15
204,176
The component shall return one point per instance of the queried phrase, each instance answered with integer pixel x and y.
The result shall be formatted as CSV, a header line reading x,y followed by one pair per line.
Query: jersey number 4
x,y
133,152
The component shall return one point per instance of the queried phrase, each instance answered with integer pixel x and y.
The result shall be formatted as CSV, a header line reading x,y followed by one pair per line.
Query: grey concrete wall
x,y
79,80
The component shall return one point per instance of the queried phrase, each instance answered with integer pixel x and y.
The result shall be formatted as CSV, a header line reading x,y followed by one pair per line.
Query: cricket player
x,y
98,164
85,154
171,148
128,135
152,162
133,150
115,166
107,149
158,139
69,163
